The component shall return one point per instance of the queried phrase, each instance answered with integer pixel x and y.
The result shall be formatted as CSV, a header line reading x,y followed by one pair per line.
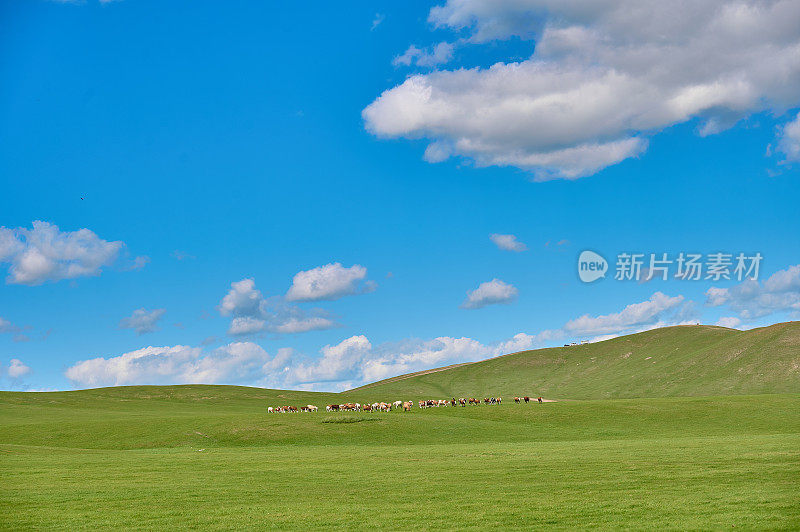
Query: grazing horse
x,y
526,398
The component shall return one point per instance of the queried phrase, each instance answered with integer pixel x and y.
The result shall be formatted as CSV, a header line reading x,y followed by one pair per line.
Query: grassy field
x,y
210,457
679,428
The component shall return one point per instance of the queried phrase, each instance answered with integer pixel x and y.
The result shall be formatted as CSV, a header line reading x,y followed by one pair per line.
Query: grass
x,y
211,457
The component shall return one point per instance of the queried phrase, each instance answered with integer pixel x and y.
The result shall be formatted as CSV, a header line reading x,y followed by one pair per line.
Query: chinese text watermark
x,y
683,266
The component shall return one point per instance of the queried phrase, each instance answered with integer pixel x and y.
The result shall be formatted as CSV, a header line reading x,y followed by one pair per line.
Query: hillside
x,y
669,362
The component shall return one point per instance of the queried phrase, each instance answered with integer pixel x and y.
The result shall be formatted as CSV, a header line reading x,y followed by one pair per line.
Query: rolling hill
x,y
668,362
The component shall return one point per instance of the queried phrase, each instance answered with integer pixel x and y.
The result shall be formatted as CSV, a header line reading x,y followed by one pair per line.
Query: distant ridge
x,y
689,360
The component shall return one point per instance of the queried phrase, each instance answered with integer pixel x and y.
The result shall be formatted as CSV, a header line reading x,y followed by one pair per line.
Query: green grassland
x,y
661,454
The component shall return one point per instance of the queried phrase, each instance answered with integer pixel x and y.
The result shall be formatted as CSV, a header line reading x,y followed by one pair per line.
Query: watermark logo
x,y
643,267
591,266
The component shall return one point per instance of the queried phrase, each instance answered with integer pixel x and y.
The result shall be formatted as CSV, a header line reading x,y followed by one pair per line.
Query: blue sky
x,y
377,148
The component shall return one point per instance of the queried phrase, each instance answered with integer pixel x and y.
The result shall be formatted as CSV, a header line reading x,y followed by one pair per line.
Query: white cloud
x,y
7,327
328,282
789,140
17,369
246,325
636,315
752,299
379,18
142,320
441,53
45,253
292,325
253,313
490,293
731,322
139,262
336,362
182,255
507,242
242,299
239,362
603,77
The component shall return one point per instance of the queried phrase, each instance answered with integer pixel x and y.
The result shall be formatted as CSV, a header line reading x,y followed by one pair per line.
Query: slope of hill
x,y
669,362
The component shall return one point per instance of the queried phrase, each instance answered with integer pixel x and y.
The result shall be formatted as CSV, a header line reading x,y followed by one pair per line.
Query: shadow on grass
x,y
348,419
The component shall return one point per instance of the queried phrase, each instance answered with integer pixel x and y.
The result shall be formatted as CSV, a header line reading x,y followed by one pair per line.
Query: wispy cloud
x,y
752,299
507,242
143,321
377,20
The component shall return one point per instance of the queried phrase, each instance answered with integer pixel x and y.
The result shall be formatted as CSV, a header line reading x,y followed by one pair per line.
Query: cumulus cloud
x,y
243,299
143,321
239,362
17,369
329,282
635,315
253,313
440,53
507,242
752,299
789,140
490,293
604,77
336,362
45,253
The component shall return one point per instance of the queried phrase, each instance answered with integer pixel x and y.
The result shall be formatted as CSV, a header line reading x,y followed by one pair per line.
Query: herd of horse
x,y
397,405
